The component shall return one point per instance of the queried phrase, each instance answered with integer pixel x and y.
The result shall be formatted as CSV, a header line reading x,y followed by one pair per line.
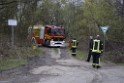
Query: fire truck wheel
x,y
47,43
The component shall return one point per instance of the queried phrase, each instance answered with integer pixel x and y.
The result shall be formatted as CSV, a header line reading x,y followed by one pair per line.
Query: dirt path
x,y
58,66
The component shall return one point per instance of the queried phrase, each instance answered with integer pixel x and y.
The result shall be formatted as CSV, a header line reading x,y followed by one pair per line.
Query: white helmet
x,y
98,35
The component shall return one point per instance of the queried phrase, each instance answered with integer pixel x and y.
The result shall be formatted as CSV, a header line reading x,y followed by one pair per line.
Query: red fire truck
x,y
48,35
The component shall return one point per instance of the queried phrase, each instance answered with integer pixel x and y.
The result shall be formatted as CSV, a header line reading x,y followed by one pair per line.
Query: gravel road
x,y
58,66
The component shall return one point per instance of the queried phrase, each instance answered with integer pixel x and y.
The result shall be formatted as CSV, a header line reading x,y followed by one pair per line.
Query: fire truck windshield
x,y
57,31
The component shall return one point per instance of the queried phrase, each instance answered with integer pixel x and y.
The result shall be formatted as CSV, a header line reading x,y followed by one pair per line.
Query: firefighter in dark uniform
x,y
90,48
74,44
96,52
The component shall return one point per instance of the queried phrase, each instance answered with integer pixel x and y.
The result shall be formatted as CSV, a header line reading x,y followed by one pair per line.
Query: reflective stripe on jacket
x,y
74,43
96,46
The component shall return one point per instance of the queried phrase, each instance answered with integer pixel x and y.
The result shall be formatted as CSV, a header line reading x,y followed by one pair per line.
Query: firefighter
x,y
90,48
34,45
74,44
96,52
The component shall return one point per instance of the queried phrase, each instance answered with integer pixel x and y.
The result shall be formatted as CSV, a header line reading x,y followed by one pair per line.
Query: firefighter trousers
x,y
73,51
96,59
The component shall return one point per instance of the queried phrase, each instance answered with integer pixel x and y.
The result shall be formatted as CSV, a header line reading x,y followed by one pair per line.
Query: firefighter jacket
x,y
74,43
97,46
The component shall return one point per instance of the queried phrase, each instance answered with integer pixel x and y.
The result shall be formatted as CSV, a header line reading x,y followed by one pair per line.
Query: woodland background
x,y
80,19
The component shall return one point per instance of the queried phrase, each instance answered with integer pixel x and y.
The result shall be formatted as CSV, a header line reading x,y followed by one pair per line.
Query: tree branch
x,y
6,3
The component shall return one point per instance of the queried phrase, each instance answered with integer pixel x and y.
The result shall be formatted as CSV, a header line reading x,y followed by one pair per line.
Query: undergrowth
x,y
17,56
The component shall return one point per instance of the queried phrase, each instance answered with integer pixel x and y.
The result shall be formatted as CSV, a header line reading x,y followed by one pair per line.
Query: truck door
x,y
42,32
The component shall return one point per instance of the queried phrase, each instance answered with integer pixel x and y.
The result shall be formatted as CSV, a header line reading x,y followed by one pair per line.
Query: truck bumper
x,y
57,43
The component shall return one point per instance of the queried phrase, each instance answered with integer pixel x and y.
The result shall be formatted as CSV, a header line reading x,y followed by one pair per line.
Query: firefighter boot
x,y
98,66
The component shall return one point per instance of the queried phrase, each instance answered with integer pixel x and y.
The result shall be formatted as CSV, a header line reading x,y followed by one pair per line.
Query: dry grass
x,y
13,57
81,55
114,56
18,56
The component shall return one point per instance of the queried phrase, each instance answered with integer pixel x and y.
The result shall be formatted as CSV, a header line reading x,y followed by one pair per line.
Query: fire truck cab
x,y
49,35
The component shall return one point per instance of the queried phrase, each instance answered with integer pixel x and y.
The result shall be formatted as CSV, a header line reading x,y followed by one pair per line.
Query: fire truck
x,y
48,35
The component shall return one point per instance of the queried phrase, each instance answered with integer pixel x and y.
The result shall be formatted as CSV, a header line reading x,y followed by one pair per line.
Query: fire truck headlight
x,y
52,42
